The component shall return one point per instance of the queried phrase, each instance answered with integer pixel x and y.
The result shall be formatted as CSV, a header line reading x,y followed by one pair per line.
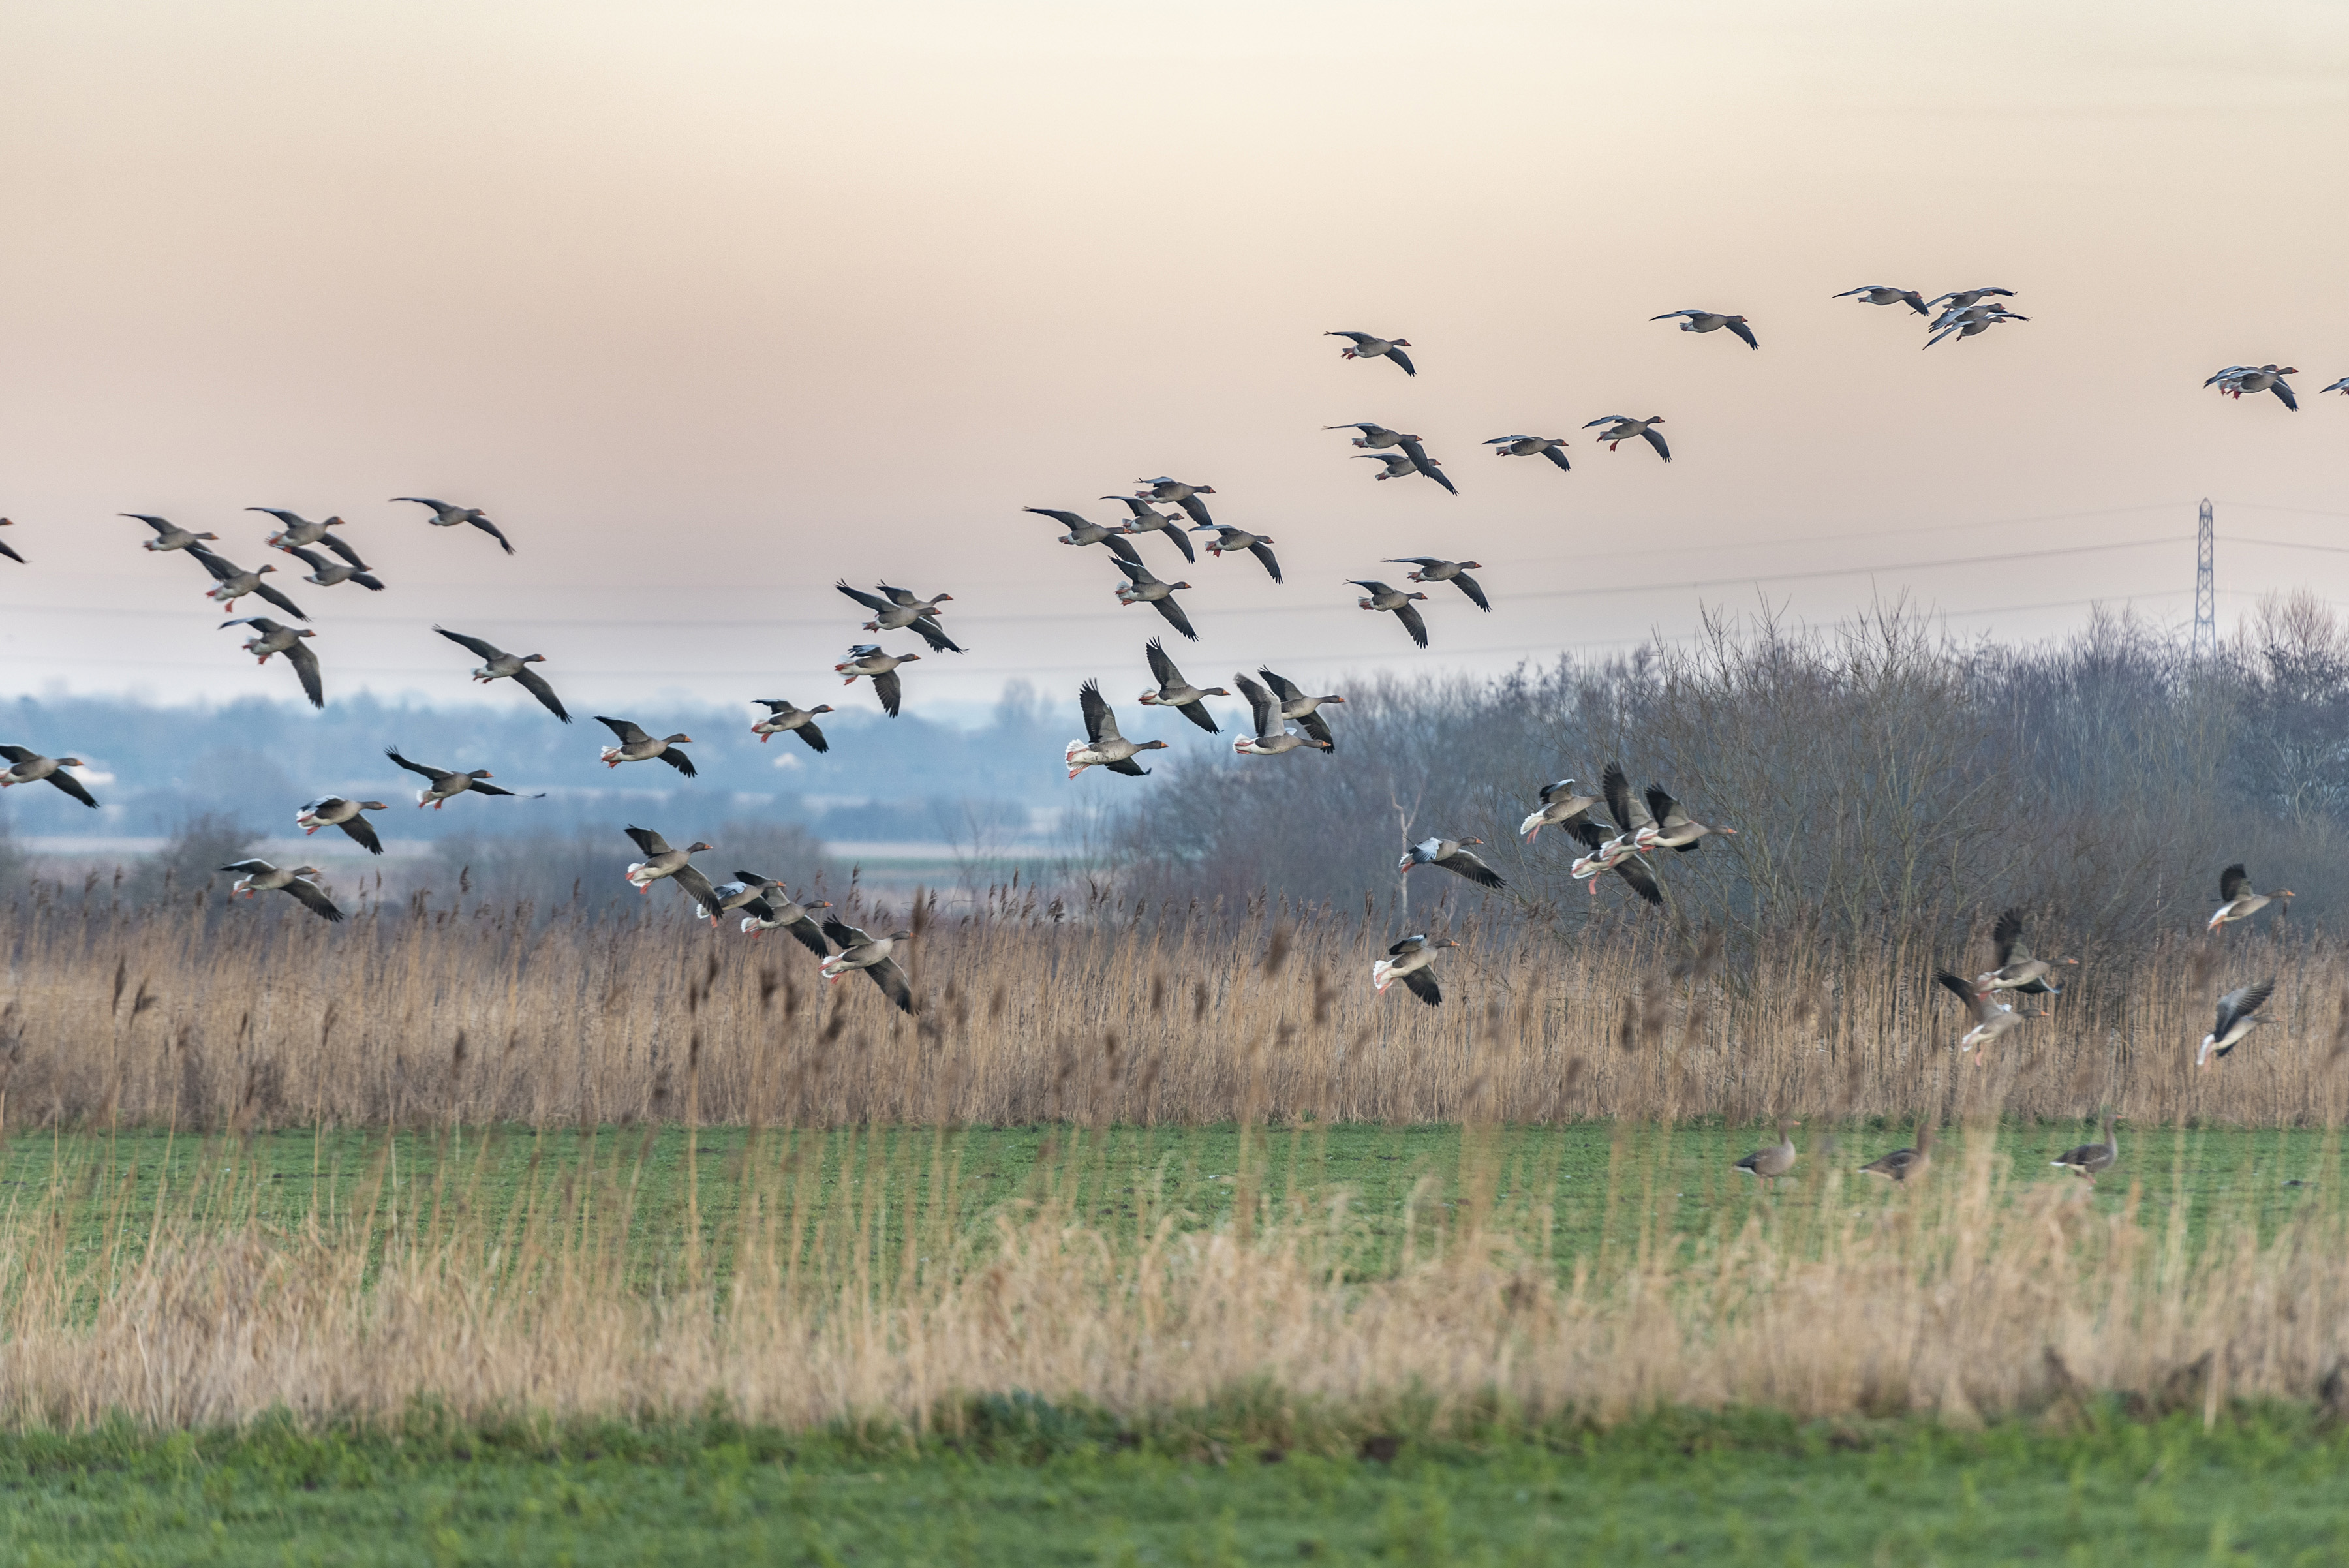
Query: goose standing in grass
x,y
445,786
1971,323
260,877
894,609
2091,1159
272,636
635,746
1614,853
1083,531
168,535
1148,519
1550,447
1770,1164
1674,827
783,719
1633,822
1185,495
2237,379
334,811
1623,427
328,574
1560,802
1374,437
866,659
1229,541
1177,693
1379,596
2015,969
871,954
1102,746
233,582
2237,900
677,864
294,531
1711,321
1991,1019
1143,589
5,549
1301,708
1905,1164
773,909
2235,1021
447,516
1272,737
497,664
1366,346
1412,961
1435,569
1883,294
28,767
1451,854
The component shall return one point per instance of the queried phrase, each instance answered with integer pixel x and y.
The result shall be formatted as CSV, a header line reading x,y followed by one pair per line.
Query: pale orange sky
x,y
710,304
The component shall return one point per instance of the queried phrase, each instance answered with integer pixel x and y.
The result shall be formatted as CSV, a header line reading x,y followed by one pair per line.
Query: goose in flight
x,y
1102,746
2237,379
1379,596
1991,1019
2091,1160
1420,462
233,582
1711,321
677,864
1674,827
867,659
1550,447
1451,854
1374,437
260,877
1143,588
168,535
773,909
635,746
326,573
1560,802
1366,346
1412,961
1177,693
1883,294
1187,496
893,613
1082,531
1966,299
272,636
2014,968
1905,1164
497,664
2341,386
334,811
296,531
871,954
1229,541
2236,901
1971,322
1633,821
1300,709
783,719
1771,1163
1614,853
1272,737
1148,519
2235,1021
28,767
447,516
1623,427
445,786
5,547
1435,569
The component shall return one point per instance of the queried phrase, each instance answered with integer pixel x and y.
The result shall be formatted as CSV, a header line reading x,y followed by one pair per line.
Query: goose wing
x,y
219,566
1182,542
1135,504
264,591
808,935
1198,713
1404,360
435,775
1634,871
1557,457
892,984
1174,617
1411,623
1282,687
1265,711
1263,553
1959,986
628,734
1315,725
1129,767
844,935
310,558
309,895
679,760
1197,509
1122,548
890,690
2006,938
72,787
870,601
1742,331
1473,589
1162,664
486,651
344,550
532,682
2236,1006
2233,883
486,526
306,665
1422,982
483,786
935,636
1068,520
362,831
813,737
2284,394
1099,723
1621,804
1467,864
690,881
1657,441
648,841
1667,812
1137,574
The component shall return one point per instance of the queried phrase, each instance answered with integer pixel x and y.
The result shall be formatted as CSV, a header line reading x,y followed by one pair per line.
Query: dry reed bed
x,y
200,1015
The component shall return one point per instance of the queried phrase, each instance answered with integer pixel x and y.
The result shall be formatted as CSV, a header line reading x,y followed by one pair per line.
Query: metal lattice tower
x,y
2205,594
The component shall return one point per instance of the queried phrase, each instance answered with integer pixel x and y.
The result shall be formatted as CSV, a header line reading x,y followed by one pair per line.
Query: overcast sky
x,y
709,305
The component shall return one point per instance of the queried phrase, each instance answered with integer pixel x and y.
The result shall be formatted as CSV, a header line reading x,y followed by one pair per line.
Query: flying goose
x,y
2015,969
1272,737
298,531
1366,346
2091,1159
871,954
677,864
2341,386
269,637
334,811
891,613
1605,853
447,516
2237,379
1294,704
1966,299
1550,447
2236,901
773,909
1102,746
1412,961
5,549
1082,530
1187,496
1435,569
168,535
28,767
1177,693
1143,588
326,573
867,659
1674,827
497,664
1396,464
260,877
1148,519
1623,427
446,786
1883,294
1711,321
1560,802
1422,463
1771,1163
1231,540
1381,598
233,582
1971,323
1373,436
635,746
783,719
1451,854
1991,1019
1905,1164
2235,1021
1633,821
